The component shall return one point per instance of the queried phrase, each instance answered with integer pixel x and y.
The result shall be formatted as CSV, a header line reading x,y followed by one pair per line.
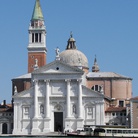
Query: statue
x,y
57,53
102,89
74,109
15,90
36,64
41,109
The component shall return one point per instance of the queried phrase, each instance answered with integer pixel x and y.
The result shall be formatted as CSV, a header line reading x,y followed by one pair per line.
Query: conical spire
x,y
95,67
37,13
71,43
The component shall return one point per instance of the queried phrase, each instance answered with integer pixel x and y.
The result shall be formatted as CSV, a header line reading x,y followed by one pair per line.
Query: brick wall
x,y
41,57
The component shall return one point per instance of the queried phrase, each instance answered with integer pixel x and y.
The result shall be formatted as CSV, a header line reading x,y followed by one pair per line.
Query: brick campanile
x,y
37,39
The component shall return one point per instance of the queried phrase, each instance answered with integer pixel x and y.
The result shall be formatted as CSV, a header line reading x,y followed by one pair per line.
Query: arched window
x,y
96,88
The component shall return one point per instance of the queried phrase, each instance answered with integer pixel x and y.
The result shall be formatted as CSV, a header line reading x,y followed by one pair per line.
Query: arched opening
x,y
96,88
4,128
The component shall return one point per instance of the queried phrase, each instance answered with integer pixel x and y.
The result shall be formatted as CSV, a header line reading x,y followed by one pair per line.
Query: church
x,y
57,98
63,95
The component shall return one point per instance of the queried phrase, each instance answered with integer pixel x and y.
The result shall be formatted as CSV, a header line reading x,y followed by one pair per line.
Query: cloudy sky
x,y
105,28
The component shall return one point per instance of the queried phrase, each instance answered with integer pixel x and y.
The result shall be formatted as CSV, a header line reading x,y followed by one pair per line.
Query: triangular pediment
x,y
27,93
90,93
58,67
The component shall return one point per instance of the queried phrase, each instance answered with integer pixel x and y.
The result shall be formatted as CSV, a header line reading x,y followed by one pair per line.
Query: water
x,y
50,137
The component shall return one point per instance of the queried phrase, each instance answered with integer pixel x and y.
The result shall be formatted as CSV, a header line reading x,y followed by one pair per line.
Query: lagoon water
x,y
59,136
44,137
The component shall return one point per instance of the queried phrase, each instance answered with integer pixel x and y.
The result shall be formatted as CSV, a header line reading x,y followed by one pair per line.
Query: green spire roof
x,y
37,13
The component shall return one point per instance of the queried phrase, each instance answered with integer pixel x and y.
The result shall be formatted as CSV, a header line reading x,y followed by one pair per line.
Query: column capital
x,y
67,80
35,81
79,80
16,103
47,81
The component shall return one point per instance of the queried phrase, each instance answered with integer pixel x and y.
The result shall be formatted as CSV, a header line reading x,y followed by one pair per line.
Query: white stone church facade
x,y
57,100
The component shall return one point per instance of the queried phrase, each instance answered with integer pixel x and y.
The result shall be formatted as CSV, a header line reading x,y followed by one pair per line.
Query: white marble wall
x,y
30,121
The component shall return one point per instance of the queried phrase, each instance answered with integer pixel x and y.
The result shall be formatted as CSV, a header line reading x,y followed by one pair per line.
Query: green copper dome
x,y
37,13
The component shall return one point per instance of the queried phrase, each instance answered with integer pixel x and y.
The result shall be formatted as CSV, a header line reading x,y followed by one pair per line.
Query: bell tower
x,y
37,39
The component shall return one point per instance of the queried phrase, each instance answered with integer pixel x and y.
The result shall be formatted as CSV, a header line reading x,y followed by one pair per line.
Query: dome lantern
x,y
71,43
72,56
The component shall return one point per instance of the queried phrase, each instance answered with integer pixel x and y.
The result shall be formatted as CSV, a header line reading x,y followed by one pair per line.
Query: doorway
x,y
58,121
4,128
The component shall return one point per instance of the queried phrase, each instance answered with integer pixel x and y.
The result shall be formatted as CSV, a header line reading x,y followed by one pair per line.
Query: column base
x,y
80,124
47,125
35,129
15,131
26,131
68,123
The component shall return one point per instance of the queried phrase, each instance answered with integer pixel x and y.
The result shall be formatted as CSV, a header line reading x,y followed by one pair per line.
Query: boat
x,y
87,131
116,132
106,132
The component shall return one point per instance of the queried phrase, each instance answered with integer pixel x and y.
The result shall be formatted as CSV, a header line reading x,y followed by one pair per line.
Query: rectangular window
x,y
25,112
40,37
36,37
90,112
32,37
26,109
121,103
96,87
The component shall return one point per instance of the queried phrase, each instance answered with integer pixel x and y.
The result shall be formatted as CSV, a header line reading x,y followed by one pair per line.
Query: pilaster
x,y
35,99
35,128
16,119
80,119
68,99
80,99
47,109
47,114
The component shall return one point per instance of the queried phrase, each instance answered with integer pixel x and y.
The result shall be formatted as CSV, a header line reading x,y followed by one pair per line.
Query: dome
x,y
72,56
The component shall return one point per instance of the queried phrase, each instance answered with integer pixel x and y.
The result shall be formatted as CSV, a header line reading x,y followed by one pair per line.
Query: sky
x,y
105,28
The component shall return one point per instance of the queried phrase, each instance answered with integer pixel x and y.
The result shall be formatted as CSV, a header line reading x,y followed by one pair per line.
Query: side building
x,y
134,112
6,118
118,92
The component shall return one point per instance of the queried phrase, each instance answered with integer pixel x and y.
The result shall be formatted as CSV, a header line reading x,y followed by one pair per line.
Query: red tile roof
x,y
6,108
134,98
115,109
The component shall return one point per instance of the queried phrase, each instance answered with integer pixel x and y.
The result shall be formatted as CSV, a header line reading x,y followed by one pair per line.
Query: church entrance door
x,y
58,121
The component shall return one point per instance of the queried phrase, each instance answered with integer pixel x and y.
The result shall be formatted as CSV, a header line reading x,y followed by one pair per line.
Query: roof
x,y
57,63
25,76
74,57
115,109
106,75
6,108
107,98
99,94
134,98
37,13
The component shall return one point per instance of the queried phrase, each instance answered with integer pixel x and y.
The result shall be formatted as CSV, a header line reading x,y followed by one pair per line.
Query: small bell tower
x,y
37,39
95,67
